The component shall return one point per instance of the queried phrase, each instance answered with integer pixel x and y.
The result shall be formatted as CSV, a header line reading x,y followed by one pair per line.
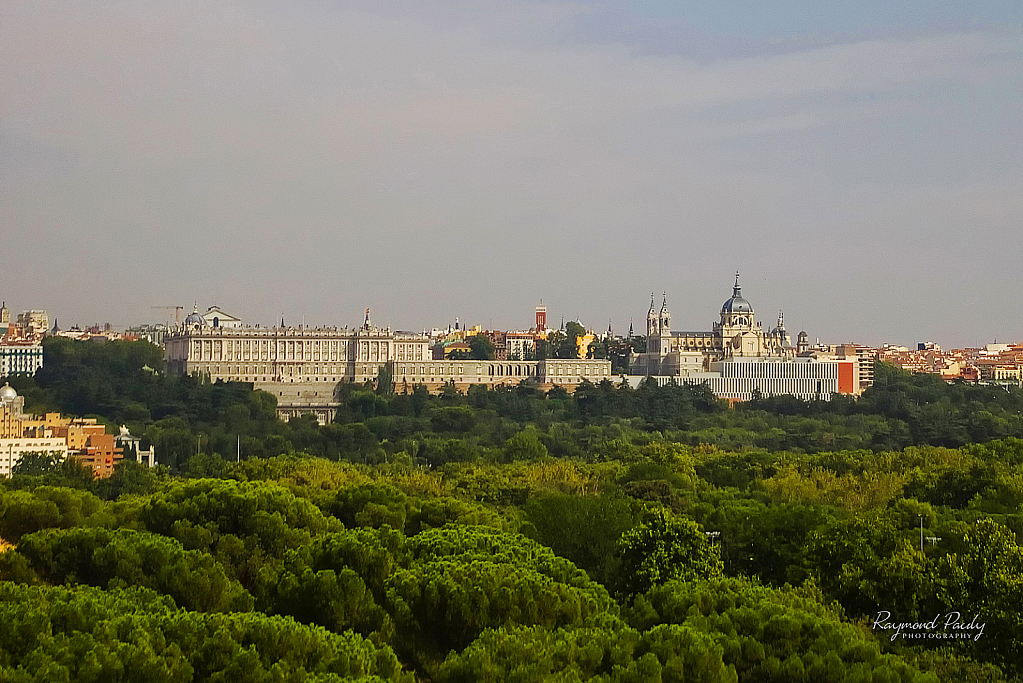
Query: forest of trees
x,y
610,535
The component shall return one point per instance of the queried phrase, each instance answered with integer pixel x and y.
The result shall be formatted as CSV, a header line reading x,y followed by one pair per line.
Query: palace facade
x,y
288,354
302,366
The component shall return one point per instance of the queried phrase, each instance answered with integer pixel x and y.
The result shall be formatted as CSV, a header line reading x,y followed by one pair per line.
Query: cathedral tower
x,y
651,320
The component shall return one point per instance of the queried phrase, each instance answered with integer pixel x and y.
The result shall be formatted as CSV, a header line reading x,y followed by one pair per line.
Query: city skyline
x,y
456,322
859,165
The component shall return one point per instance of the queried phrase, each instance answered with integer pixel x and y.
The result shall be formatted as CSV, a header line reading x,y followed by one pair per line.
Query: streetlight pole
x,y
713,536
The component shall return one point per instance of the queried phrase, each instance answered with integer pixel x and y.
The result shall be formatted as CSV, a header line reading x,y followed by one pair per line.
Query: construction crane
x,y
177,311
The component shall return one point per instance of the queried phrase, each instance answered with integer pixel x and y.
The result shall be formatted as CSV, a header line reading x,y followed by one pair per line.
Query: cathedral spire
x,y
664,324
652,322
736,289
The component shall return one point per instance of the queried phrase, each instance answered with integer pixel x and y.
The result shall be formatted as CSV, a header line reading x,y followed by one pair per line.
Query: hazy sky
x,y
861,163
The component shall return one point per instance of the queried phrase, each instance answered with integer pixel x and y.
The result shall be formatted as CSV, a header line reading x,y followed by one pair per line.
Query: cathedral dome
x,y
779,330
194,318
736,304
7,393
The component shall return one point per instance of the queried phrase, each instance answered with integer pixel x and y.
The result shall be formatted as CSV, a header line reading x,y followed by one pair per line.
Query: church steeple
x,y
651,319
664,328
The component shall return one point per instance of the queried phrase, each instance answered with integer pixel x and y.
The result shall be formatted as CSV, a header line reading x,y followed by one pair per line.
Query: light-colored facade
x,y
20,358
83,439
302,366
289,354
997,371
863,356
32,323
214,317
21,433
133,445
12,450
320,398
735,335
865,359
737,358
553,371
520,345
150,333
743,379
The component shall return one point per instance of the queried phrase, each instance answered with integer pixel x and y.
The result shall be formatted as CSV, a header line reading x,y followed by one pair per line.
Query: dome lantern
x,y
194,318
736,304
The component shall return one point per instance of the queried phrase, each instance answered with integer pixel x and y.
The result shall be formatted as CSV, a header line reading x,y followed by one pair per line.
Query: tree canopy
x,y
610,534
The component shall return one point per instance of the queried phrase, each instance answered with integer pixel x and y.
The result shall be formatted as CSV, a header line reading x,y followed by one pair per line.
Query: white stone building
x,y
17,358
14,442
737,358
302,366
33,323
287,354
744,378
736,335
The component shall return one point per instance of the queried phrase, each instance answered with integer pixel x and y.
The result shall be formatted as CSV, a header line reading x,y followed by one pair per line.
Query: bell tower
x,y
651,320
664,328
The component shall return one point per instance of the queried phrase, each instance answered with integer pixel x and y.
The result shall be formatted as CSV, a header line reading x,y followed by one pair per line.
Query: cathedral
x,y
736,335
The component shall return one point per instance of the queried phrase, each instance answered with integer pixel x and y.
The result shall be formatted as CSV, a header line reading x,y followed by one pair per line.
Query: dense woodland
x,y
513,535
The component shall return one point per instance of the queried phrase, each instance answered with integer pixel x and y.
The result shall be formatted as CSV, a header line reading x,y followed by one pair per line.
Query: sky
x,y
861,164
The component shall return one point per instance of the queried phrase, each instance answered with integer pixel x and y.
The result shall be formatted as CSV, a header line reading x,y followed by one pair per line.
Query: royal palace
x,y
302,366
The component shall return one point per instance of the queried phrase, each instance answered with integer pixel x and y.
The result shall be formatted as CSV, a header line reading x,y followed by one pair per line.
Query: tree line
x,y
514,533
125,383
